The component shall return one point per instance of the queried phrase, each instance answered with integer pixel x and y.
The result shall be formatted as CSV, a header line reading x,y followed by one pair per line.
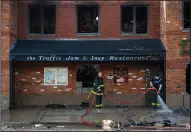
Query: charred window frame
x,y
85,75
42,19
131,19
186,14
120,75
87,26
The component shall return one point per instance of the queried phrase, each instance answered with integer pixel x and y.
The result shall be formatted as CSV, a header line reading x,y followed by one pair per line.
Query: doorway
x,y
188,78
153,70
12,86
86,74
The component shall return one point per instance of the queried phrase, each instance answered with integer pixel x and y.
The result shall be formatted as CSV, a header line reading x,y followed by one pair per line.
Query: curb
x,y
31,123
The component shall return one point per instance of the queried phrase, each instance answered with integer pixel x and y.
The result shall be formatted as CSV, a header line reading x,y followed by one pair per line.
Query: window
x,y
42,19
88,19
120,75
56,76
134,19
186,14
86,74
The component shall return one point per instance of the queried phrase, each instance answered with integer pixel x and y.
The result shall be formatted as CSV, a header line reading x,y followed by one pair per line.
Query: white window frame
x,y
56,80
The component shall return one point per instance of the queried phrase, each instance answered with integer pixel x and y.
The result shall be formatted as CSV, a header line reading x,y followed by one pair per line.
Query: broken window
x,y
186,14
42,19
134,19
86,74
88,19
120,75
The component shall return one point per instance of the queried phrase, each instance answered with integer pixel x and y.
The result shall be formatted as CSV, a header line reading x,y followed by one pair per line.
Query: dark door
x,y
12,86
188,78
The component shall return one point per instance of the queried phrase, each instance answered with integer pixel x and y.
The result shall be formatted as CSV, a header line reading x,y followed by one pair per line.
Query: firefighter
x,y
156,84
98,89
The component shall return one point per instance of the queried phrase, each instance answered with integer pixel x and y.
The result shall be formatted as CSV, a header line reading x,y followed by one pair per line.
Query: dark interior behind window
x,y
35,20
42,19
86,74
127,20
134,19
141,20
88,19
186,15
49,20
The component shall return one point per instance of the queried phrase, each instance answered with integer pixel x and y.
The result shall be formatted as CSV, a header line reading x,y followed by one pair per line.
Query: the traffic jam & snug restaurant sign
x,y
86,58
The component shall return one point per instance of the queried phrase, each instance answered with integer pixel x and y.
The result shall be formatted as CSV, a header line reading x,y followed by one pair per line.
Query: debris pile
x,y
167,122
85,104
188,126
185,111
164,123
4,127
38,126
60,126
57,106
107,124
145,123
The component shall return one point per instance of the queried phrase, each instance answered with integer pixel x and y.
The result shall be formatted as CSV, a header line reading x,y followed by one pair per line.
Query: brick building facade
x,y
26,85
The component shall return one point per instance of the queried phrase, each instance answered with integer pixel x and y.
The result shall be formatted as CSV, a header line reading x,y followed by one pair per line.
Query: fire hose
x,y
115,101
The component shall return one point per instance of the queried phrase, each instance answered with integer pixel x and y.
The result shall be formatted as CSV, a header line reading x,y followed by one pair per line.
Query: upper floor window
x,y
88,19
42,19
134,19
186,14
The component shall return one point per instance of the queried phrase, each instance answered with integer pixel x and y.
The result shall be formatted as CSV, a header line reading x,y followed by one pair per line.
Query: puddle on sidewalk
x,y
27,114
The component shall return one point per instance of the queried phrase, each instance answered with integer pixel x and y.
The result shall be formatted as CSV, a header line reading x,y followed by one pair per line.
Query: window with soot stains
x,y
88,19
134,19
42,19
120,75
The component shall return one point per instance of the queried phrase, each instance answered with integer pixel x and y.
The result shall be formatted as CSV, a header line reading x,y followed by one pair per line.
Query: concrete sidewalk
x,y
73,114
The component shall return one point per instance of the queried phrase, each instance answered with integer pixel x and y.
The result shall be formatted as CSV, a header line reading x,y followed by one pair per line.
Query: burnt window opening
x,y
120,75
88,19
42,19
134,19
186,14
86,74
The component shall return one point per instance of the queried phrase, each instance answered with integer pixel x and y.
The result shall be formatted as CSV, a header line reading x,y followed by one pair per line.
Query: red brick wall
x,y
172,34
109,20
32,87
27,71
9,34
135,71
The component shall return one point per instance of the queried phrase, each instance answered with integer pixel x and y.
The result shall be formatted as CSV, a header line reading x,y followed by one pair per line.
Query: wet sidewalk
x,y
73,115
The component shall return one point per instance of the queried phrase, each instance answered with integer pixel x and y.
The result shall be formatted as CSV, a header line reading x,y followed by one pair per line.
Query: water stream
x,y
164,107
